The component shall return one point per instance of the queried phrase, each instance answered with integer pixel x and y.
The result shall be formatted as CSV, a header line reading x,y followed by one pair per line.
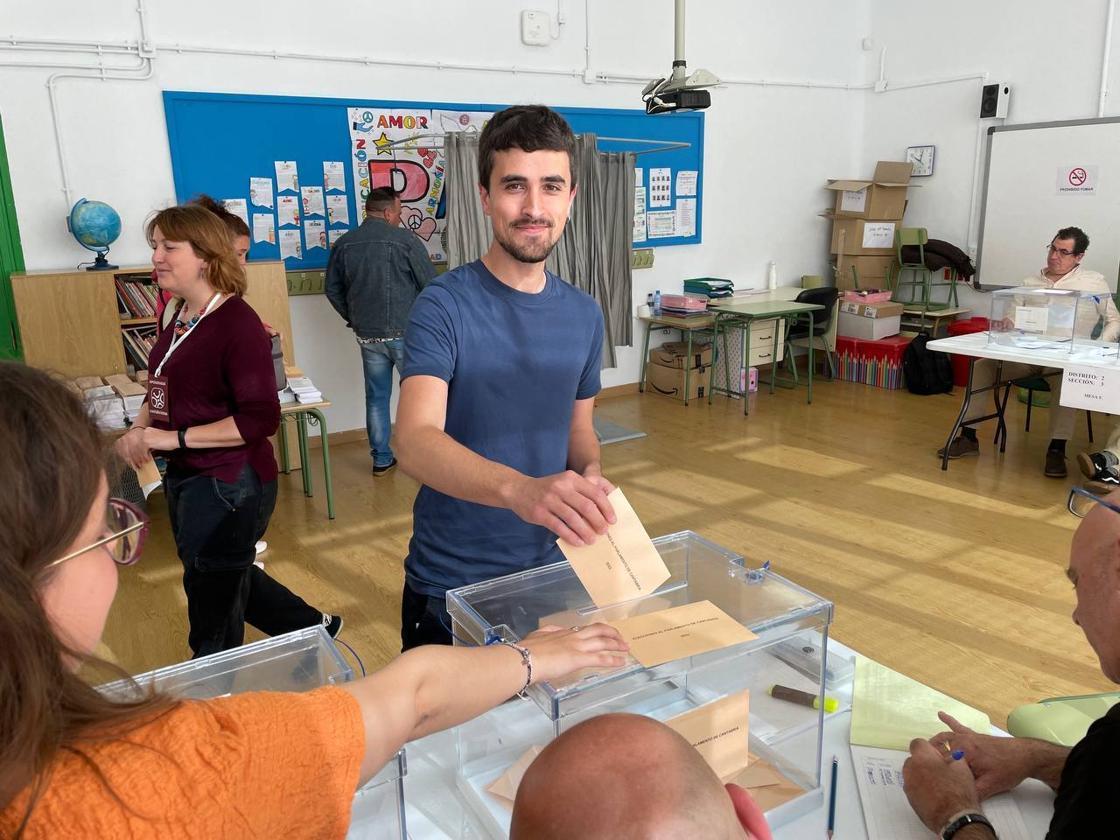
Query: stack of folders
x,y
304,389
684,306
712,287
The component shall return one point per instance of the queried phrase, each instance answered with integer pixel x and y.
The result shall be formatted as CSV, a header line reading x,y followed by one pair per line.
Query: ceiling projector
x,y
681,91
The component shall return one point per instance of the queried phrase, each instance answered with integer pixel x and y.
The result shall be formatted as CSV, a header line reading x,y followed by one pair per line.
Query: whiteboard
x,y
1044,176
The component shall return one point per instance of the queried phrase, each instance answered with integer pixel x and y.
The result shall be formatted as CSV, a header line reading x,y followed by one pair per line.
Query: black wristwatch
x,y
950,831
182,438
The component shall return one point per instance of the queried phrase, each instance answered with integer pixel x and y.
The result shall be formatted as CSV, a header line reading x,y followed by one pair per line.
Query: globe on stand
x,y
96,226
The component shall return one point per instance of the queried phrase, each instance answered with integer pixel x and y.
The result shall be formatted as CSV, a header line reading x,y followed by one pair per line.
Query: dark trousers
x,y
216,525
424,620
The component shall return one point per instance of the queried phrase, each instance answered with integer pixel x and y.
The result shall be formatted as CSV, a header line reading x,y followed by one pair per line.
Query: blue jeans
x,y
378,360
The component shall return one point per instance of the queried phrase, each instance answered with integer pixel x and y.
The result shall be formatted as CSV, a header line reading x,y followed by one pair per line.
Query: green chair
x,y
1031,384
921,276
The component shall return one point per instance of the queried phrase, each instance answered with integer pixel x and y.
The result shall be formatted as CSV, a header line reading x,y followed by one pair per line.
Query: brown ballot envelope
x,y
621,564
504,788
663,636
719,732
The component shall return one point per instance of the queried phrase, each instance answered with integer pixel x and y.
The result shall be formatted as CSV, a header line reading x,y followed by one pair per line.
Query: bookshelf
x,y
82,323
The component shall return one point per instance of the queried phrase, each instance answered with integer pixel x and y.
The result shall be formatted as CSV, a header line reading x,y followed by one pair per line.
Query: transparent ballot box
x,y
299,661
1065,320
786,619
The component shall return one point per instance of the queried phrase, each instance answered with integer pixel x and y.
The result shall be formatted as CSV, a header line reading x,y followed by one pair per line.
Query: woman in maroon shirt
x,y
211,407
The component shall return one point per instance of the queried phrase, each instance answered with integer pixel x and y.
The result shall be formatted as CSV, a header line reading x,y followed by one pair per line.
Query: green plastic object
x,y
1060,720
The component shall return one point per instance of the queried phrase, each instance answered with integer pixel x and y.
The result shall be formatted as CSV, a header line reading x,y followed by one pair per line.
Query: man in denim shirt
x,y
374,274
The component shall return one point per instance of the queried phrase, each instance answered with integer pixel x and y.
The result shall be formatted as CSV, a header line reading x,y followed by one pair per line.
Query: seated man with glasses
x,y
1062,271
947,794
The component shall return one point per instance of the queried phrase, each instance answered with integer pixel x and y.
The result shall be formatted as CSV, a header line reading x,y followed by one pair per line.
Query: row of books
x,y
136,298
138,344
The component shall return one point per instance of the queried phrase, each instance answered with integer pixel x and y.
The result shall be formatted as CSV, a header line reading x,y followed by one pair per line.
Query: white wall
x,y
1051,55
768,149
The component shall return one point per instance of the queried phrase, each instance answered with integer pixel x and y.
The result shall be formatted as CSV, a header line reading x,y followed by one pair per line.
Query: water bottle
x,y
772,276
657,302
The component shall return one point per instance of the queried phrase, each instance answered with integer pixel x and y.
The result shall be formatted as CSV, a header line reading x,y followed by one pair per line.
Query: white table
x,y
976,346
436,810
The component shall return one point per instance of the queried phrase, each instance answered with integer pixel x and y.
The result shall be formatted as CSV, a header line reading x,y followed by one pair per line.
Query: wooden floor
x,y
953,577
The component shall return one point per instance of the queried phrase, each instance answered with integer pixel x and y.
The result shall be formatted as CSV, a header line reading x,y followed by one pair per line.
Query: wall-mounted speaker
x,y
994,99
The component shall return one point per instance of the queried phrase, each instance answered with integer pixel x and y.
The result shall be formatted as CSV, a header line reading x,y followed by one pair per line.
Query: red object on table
x,y
960,363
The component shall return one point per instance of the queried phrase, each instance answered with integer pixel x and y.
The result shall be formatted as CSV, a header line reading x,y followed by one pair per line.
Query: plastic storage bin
x,y
785,617
299,661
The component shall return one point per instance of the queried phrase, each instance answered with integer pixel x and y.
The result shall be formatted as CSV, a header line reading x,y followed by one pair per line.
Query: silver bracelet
x,y
526,660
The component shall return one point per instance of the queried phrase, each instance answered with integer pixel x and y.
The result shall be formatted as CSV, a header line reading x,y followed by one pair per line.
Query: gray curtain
x,y
468,230
594,252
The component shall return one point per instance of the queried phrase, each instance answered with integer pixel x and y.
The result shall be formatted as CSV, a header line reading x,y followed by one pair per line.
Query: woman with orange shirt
x,y
74,763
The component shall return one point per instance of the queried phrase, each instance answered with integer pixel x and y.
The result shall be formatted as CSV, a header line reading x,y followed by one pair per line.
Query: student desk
x,y
739,315
436,810
301,414
915,317
700,325
976,347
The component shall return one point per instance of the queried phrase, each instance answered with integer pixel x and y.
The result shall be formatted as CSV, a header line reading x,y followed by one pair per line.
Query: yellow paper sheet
x,y
621,564
889,710
663,636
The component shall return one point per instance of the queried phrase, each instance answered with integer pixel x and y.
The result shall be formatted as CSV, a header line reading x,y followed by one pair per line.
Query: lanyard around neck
x,y
179,339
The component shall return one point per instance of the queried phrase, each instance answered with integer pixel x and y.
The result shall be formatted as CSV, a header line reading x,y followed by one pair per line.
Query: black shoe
x,y
1094,468
960,447
332,624
1055,464
388,468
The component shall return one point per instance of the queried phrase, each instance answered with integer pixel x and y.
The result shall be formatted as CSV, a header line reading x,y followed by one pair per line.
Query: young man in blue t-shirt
x,y
501,371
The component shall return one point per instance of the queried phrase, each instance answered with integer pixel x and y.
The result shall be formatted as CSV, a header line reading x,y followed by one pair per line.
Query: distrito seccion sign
x,y
1091,388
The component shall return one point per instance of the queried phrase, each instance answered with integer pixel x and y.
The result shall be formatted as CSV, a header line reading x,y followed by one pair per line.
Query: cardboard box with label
x,y
870,329
674,353
859,237
669,381
882,309
883,197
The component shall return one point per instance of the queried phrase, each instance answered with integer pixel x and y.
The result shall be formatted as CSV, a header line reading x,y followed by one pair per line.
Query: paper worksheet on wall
x,y
334,176
287,176
260,192
238,207
660,187
639,214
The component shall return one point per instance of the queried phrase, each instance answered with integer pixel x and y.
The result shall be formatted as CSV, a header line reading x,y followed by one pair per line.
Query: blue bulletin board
x,y
219,142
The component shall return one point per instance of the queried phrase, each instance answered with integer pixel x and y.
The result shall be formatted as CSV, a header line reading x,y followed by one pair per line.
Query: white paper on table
x,y
878,235
287,176
686,217
888,814
338,209
238,207
334,175
660,187
290,244
853,201
661,223
686,182
260,192
1032,319
334,235
315,234
264,228
313,201
639,214
287,210
1091,388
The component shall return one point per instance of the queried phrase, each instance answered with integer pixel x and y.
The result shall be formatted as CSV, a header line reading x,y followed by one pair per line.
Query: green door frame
x,y
11,259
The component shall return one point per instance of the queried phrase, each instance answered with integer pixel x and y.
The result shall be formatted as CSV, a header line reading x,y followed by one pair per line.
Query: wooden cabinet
x,y
70,323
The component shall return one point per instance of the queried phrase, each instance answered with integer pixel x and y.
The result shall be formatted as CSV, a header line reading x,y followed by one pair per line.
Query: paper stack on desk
x,y
304,389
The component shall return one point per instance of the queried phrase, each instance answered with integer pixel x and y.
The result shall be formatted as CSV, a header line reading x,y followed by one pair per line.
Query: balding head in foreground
x,y
629,777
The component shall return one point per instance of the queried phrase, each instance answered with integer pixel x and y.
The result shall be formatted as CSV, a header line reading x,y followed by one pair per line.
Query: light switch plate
x,y
535,28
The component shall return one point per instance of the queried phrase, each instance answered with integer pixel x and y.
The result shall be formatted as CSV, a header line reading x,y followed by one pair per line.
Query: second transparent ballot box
x,y
299,661
1062,320
787,620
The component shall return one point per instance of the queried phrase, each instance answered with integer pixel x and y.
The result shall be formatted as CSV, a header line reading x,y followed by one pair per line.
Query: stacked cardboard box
x,y
869,320
665,372
864,217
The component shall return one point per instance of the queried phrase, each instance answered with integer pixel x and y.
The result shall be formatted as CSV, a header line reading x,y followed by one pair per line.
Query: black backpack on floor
x,y
926,371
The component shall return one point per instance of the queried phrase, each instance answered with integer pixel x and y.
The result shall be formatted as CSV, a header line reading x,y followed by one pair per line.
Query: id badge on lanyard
x,y
159,393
